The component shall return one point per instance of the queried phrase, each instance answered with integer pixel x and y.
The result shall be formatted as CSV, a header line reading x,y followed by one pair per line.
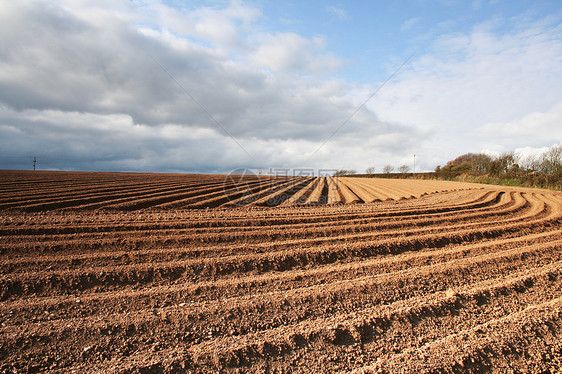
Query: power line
x,y
362,104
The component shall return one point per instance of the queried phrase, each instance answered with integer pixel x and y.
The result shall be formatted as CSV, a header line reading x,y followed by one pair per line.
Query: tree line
x,y
370,171
544,170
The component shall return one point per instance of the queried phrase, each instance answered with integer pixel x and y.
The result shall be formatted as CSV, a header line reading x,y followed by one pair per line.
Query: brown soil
x,y
155,273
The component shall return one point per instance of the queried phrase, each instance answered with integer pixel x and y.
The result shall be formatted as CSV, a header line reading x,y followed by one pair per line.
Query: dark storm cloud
x,y
63,73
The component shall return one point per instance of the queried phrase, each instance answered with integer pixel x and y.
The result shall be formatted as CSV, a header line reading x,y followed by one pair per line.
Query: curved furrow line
x,y
333,196
161,220
99,200
369,192
348,197
126,257
319,194
336,234
238,192
196,291
368,235
170,252
359,190
300,196
278,196
160,199
19,195
231,191
500,344
275,260
202,225
274,186
62,193
491,260
209,346
307,214
453,309
380,192
59,197
128,199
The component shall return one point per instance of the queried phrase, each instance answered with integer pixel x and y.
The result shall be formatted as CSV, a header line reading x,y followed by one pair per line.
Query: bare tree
x,y
551,161
529,163
343,172
370,170
388,169
340,173
404,169
481,163
502,164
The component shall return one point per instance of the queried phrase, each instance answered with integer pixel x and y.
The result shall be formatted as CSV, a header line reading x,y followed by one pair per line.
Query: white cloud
x,y
408,24
338,12
482,90
220,26
290,51
545,128
526,153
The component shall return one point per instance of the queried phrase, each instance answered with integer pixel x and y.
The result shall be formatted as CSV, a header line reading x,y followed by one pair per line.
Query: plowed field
x,y
154,273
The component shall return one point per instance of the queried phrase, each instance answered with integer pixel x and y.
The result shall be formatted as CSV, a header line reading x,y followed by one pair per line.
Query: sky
x,y
215,86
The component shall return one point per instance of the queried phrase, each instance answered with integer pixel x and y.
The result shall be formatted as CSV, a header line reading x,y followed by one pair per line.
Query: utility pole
x,y
414,164
34,162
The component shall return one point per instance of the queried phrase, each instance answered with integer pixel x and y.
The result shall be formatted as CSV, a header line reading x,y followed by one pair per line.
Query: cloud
x,y
64,63
544,126
408,24
338,12
291,52
484,89
72,140
224,27
86,141
110,92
